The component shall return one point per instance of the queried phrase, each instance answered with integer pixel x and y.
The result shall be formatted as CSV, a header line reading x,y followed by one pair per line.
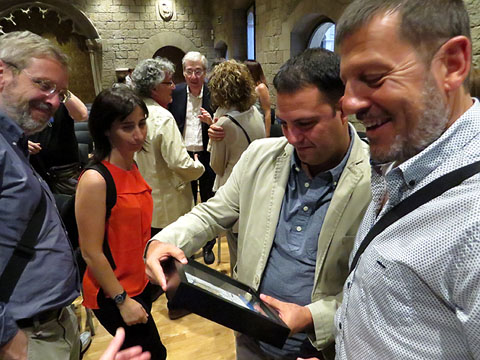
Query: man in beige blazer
x,y
299,200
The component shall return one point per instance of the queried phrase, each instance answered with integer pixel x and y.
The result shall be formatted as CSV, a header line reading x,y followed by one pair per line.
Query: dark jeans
x,y
205,182
145,335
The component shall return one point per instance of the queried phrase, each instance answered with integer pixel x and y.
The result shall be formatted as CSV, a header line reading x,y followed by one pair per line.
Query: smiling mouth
x,y
374,123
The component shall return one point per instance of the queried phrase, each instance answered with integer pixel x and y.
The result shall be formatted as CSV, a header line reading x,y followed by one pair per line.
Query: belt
x,y
39,319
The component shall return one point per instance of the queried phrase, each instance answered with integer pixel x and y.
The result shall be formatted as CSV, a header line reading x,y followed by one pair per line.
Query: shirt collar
x,y
190,94
13,133
450,142
336,172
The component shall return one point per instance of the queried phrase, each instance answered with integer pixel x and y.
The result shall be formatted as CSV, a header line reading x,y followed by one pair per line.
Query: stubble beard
x,y
431,124
19,111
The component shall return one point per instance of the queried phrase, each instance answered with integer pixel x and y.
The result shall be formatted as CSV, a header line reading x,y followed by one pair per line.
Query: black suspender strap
x,y
240,126
23,252
420,197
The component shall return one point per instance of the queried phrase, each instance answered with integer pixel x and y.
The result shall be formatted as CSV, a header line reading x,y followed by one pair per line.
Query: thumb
x,y
271,301
114,345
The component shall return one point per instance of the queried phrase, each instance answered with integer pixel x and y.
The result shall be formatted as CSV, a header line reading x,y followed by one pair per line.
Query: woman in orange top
x,y
116,287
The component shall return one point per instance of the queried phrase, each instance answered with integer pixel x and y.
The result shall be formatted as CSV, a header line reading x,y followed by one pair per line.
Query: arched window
x,y
323,36
251,32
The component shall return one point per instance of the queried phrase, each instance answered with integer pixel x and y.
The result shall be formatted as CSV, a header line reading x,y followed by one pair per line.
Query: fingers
x,y
114,345
34,148
157,252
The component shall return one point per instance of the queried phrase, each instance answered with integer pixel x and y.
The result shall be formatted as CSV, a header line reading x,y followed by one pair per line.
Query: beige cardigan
x,y
167,167
225,153
257,186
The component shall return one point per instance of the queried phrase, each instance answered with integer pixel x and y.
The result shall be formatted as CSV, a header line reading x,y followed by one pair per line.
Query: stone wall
x,y
473,7
281,22
126,25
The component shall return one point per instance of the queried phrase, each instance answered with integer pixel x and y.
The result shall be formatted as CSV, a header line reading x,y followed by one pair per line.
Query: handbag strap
x,y
420,197
23,252
240,126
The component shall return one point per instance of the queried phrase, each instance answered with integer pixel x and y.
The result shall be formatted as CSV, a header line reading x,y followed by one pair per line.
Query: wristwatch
x,y
120,298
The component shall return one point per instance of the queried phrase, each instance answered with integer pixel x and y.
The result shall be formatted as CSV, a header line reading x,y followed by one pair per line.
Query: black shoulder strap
x,y
240,126
111,199
422,196
23,252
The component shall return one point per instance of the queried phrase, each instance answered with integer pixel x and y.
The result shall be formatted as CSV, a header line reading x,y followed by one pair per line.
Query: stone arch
x,y
81,25
175,55
158,41
299,25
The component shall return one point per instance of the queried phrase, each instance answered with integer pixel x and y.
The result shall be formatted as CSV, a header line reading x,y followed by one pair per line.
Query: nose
x,y
354,100
173,85
138,134
53,100
293,134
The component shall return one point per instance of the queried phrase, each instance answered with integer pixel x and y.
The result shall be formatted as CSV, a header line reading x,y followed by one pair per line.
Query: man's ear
x,y
339,109
454,57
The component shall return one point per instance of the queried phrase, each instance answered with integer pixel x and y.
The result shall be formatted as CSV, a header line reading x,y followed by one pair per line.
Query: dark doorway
x,y
175,55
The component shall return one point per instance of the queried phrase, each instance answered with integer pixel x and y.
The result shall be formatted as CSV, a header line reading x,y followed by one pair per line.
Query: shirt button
x,y
305,208
297,169
307,185
349,284
299,228
412,183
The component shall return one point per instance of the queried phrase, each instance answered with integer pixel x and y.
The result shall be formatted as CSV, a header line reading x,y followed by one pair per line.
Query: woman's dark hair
x,y
110,105
257,72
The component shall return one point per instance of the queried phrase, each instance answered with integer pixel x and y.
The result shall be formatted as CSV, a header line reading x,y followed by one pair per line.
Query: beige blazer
x,y
167,167
225,153
257,186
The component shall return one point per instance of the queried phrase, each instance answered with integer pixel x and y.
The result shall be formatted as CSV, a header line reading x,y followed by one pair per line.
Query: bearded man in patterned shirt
x,y
414,292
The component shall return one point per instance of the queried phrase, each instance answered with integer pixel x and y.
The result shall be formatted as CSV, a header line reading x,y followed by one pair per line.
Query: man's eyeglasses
x,y
48,87
197,72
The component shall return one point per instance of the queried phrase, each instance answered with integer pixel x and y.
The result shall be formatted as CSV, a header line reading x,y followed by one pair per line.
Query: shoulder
x,y
180,88
270,147
261,88
92,180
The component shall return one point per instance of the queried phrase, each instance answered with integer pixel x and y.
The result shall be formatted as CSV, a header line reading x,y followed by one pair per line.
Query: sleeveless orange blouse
x,y
127,232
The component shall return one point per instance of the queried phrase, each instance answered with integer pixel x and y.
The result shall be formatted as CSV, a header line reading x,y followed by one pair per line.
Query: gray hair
x,y
195,56
426,25
149,73
19,47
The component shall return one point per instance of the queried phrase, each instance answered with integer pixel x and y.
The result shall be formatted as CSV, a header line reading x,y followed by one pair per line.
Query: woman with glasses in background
x,y
166,165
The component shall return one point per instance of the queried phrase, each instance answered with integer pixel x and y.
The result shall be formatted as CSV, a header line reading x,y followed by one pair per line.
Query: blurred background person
x,y
115,284
54,150
233,92
262,103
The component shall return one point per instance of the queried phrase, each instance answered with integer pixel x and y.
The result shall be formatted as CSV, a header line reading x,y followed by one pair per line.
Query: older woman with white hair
x,y
165,165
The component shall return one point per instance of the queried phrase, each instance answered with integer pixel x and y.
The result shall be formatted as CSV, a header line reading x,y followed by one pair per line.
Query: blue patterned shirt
x,y
415,293
50,280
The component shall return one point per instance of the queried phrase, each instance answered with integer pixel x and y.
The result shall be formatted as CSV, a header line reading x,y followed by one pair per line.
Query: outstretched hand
x,y
156,253
296,317
132,353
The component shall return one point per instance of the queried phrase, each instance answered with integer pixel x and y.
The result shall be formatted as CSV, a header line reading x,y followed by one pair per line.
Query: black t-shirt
x,y
58,142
